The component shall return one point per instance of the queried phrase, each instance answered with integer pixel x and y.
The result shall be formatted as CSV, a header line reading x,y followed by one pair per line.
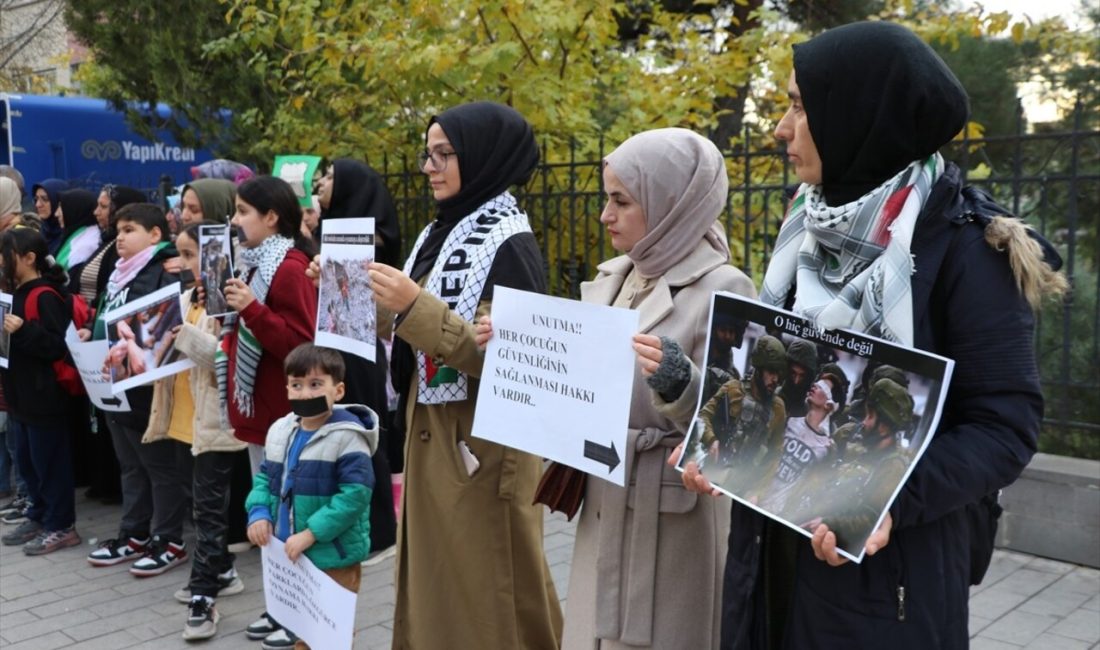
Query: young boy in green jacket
x,y
314,487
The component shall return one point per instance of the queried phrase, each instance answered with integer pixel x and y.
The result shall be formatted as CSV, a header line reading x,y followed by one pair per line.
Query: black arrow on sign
x,y
601,454
111,401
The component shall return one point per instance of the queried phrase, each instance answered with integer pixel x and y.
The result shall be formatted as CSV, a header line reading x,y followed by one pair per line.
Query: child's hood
x,y
354,417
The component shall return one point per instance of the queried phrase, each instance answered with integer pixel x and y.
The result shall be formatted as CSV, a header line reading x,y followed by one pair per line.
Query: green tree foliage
x,y
149,52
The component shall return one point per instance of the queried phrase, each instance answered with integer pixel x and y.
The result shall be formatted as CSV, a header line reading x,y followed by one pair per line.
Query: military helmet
x,y
890,372
891,401
804,353
768,354
833,368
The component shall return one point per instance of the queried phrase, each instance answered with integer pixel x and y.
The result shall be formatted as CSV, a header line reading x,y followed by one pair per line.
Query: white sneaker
x,y
202,620
281,639
240,547
229,586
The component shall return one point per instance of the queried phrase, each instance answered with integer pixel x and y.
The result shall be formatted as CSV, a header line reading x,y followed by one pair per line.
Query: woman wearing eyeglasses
x,y
470,566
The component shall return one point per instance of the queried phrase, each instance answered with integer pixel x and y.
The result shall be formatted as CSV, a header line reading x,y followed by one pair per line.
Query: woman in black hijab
x,y
882,237
352,189
79,233
469,532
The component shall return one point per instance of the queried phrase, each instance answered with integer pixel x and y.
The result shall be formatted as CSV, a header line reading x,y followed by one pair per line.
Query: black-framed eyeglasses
x,y
438,158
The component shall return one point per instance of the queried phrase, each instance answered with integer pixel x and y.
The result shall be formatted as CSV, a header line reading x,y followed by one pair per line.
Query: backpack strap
x,y
30,307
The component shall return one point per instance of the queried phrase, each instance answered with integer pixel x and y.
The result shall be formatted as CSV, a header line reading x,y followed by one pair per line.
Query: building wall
x,y
36,54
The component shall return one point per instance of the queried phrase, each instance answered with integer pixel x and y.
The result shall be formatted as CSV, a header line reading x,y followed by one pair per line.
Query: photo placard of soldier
x,y
216,266
346,313
809,426
5,338
141,338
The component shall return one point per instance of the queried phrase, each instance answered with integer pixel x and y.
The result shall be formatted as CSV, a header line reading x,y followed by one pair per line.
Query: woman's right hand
x,y
84,334
483,331
693,479
314,271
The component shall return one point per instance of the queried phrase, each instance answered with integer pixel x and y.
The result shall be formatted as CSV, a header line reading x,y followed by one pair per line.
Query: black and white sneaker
x,y
279,640
262,627
160,556
229,584
19,503
16,515
120,549
202,619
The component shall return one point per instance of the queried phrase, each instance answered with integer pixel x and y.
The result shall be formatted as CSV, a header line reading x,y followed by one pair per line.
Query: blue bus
x,y
87,143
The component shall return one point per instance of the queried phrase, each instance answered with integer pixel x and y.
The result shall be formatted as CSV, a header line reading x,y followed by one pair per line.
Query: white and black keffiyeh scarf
x,y
265,260
852,263
458,278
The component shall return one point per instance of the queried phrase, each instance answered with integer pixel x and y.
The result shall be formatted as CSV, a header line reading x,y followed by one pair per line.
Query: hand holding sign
x,y
648,348
392,288
557,379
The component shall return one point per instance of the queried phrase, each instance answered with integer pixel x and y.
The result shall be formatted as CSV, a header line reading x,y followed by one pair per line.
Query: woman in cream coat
x,y
648,559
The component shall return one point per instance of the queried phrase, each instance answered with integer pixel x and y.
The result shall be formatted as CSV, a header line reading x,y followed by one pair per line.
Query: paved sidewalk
x,y
60,601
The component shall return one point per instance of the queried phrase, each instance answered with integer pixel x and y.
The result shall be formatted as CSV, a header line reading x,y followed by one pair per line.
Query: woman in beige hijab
x,y
10,203
648,558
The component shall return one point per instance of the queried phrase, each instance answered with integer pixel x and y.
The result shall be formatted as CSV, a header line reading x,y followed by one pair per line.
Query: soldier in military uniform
x,y
853,415
727,332
851,496
801,370
743,422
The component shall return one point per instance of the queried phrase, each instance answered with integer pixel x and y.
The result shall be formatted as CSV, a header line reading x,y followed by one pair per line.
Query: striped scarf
x,y
852,263
261,263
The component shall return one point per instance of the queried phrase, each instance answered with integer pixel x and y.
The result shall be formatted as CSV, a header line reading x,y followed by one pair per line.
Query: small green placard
x,y
298,170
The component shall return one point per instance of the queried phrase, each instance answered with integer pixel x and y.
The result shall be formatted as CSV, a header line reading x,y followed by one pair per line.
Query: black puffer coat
x,y
914,592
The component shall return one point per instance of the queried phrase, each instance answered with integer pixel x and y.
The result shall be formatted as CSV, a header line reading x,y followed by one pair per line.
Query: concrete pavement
x,y
60,601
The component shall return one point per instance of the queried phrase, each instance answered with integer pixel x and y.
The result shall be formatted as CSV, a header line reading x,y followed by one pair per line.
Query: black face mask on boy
x,y
308,408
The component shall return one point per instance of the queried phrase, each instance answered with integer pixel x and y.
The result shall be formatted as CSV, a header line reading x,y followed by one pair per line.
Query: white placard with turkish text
x,y
557,380
307,601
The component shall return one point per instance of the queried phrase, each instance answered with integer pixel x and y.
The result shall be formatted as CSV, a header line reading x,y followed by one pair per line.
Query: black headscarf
x,y
78,208
51,229
495,149
359,191
120,196
54,187
877,98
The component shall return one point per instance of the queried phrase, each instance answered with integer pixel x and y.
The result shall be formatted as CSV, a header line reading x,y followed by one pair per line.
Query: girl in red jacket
x,y
275,305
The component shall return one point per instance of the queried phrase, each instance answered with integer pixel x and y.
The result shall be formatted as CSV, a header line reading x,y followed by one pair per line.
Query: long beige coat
x,y
470,566
648,560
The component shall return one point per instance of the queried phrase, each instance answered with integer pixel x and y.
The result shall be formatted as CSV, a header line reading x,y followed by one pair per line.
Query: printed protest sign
x,y
216,267
346,313
141,338
557,380
305,600
810,426
88,358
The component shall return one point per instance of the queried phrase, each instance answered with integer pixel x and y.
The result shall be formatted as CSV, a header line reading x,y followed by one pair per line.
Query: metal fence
x,y
1049,178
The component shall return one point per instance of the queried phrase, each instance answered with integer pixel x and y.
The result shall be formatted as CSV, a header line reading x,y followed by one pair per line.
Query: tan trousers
x,y
347,577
